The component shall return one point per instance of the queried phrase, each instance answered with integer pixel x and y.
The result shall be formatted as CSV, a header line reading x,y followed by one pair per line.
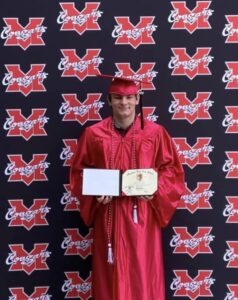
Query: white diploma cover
x,y
101,182
107,182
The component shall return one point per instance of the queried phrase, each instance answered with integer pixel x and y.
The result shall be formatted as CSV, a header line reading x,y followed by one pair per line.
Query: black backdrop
x,y
50,54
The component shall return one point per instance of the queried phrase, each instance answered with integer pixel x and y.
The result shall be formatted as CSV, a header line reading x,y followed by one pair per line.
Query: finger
x,y
149,197
100,199
107,199
146,198
142,198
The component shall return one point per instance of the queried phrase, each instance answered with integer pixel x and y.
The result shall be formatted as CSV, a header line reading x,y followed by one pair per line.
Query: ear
x,y
137,99
109,100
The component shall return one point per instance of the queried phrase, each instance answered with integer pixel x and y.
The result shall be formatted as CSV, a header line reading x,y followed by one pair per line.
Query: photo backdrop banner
x,y
51,52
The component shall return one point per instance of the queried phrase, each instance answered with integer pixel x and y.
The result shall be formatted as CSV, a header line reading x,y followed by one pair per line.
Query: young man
x,y
127,248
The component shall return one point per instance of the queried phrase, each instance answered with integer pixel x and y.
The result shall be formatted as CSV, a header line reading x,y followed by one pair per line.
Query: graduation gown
x,y
137,272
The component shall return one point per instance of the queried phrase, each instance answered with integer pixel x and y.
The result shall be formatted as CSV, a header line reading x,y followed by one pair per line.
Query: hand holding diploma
x,y
104,199
146,198
107,199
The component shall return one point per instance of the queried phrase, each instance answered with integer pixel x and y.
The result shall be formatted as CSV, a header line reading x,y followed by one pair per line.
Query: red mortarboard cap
x,y
122,85
125,86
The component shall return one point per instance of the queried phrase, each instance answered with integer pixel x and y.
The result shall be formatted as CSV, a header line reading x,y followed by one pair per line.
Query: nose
x,y
124,100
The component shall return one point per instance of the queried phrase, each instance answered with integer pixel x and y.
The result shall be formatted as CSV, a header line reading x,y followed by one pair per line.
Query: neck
x,y
125,122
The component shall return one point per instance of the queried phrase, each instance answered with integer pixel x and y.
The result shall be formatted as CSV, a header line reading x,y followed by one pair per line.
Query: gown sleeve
x,y
170,180
83,158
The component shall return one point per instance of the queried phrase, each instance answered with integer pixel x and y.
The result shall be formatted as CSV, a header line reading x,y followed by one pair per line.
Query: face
x,y
123,107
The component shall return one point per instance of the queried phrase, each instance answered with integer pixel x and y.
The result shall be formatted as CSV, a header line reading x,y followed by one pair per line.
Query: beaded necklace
x,y
111,166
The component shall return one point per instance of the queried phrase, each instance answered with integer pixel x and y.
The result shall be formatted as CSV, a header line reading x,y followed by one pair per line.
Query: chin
x,y
125,115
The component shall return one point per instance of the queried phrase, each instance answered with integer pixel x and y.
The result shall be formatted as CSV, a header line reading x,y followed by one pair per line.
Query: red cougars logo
x,y
233,292
231,255
231,209
196,155
20,215
40,293
126,33
74,66
18,125
71,203
185,286
21,260
197,109
231,120
231,75
182,64
68,152
231,29
74,110
148,113
79,21
75,244
19,170
184,242
30,35
17,81
76,287
198,198
183,18
145,74
231,164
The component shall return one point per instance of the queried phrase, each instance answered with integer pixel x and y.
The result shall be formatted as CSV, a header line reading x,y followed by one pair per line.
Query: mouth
x,y
124,108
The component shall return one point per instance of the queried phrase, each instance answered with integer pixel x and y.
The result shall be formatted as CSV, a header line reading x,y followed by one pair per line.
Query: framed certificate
x,y
139,182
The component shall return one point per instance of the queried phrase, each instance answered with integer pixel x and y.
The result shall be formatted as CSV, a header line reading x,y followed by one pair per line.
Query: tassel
x,y
110,254
135,217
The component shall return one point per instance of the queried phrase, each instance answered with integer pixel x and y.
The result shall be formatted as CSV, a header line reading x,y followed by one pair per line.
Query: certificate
x,y
101,182
139,182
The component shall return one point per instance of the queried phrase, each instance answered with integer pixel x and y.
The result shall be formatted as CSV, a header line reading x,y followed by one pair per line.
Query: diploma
x,y
101,182
139,182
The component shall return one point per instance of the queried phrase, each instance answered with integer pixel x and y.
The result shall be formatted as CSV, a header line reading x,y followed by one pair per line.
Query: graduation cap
x,y
126,86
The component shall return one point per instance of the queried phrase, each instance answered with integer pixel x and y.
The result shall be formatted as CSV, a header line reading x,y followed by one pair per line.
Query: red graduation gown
x,y
137,271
